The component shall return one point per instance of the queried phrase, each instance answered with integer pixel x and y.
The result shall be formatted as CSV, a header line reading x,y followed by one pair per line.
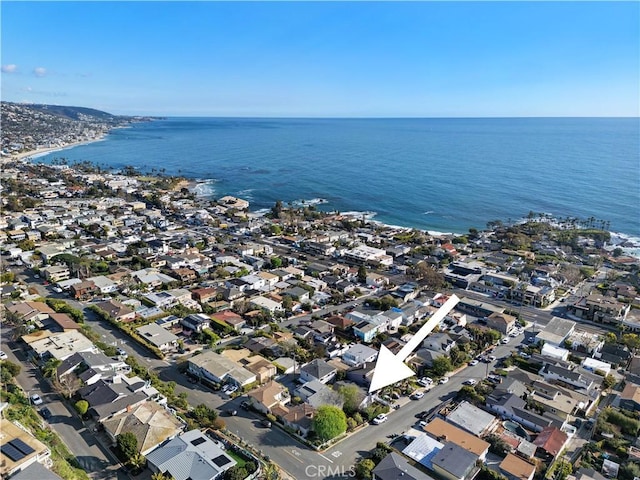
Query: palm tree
x,y
50,369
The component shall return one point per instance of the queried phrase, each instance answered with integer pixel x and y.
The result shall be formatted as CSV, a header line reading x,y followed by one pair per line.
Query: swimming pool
x,y
513,427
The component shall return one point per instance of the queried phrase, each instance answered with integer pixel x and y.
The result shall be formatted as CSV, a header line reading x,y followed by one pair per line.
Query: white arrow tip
x,y
388,370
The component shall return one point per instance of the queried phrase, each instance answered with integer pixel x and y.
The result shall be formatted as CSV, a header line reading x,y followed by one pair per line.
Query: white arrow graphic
x,y
391,368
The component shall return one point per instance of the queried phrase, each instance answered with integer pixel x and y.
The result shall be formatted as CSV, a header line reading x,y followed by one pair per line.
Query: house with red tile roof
x,y
550,442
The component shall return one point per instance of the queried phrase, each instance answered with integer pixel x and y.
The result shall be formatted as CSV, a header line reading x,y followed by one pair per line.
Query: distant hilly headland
x,y
35,127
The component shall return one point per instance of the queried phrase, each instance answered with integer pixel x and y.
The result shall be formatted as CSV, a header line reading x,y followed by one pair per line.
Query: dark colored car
x,y
232,413
46,413
266,423
245,405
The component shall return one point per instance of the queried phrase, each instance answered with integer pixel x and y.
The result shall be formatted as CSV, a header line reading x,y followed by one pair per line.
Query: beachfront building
x,y
363,254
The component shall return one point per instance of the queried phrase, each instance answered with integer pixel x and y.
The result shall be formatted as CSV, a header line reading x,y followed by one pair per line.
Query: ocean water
x,y
443,175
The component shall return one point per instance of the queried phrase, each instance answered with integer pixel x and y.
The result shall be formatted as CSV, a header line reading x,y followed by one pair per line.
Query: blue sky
x,y
358,59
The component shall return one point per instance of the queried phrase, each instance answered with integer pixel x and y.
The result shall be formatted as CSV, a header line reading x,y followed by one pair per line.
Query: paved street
x,y
92,457
297,459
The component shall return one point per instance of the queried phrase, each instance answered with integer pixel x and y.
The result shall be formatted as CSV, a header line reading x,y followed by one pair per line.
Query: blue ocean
x,y
443,175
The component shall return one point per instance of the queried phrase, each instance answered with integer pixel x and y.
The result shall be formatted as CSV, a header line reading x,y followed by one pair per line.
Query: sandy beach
x,y
43,151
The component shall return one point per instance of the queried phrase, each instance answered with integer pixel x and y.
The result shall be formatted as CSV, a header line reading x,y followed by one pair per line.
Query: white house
x,y
359,354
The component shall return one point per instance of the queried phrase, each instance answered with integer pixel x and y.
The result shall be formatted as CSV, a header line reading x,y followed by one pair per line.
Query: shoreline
x,y
193,183
39,152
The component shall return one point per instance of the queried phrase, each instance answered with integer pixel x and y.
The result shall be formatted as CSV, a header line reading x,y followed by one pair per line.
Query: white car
x,y
232,390
425,382
417,395
3,356
423,423
57,289
470,381
36,400
473,363
444,380
505,340
380,419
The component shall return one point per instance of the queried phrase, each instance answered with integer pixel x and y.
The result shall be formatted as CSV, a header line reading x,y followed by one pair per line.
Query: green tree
x,y
82,406
631,340
610,338
364,469
8,371
562,470
497,445
161,476
362,273
204,415
608,382
236,473
352,397
7,277
26,245
441,366
276,262
50,369
127,444
329,422
287,303
276,210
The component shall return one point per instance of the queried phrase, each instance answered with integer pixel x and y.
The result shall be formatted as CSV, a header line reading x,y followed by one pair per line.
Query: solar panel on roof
x,y
23,447
197,441
220,460
12,452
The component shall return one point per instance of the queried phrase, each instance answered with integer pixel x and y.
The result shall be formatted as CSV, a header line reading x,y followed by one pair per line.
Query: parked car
x,y
3,356
417,396
505,340
245,405
425,382
46,413
265,423
36,400
380,419
121,352
444,380
473,363
422,423
470,381
57,289
491,358
232,413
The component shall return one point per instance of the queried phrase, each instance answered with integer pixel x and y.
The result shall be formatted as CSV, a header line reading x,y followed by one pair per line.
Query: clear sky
x,y
324,59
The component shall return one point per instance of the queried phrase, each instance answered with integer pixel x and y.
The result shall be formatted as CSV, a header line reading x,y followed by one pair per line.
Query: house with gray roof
x,y
217,368
556,331
158,336
319,370
190,456
359,355
394,466
317,394
108,399
513,407
454,462
472,419
101,366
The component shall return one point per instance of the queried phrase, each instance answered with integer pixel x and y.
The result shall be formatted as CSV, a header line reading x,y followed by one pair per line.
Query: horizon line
x,y
305,117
